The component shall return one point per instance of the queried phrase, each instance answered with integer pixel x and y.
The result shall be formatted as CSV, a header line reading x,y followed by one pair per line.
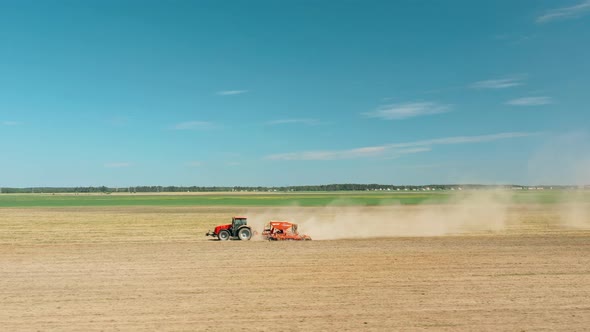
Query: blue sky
x,y
225,93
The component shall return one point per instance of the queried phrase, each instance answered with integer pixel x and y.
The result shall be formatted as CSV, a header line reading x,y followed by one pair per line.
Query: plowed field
x,y
151,268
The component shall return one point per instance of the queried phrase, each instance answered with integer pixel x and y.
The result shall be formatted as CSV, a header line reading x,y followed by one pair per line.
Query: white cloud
x,y
394,149
193,125
231,92
365,152
463,139
117,165
407,110
565,12
309,122
501,83
530,101
10,123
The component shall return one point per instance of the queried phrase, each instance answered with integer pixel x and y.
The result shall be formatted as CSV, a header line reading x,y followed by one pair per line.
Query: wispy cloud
x,y
464,139
10,123
308,122
564,13
407,110
394,149
501,83
118,165
530,101
231,92
193,125
366,152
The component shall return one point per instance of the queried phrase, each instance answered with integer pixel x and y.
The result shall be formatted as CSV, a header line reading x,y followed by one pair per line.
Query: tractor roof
x,y
240,217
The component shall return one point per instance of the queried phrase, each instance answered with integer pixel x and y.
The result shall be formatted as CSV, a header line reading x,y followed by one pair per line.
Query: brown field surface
x,y
151,268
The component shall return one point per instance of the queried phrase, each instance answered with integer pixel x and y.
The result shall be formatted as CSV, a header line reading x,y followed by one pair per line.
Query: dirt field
x,y
149,268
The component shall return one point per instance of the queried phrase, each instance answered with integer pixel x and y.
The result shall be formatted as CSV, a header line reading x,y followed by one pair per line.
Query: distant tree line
x,y
325,187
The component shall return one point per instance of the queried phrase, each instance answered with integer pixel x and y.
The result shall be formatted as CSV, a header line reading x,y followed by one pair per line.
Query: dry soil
x,y
91,269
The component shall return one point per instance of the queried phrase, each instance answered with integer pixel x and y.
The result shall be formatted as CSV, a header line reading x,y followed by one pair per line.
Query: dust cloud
x,y
575,214
473,212
565,159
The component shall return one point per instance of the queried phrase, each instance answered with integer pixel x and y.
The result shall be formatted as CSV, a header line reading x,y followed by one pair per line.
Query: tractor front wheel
x,y
245,234
223,235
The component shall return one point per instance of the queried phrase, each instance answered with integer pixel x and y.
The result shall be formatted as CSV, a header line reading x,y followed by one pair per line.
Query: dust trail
x,y
565,159
577,216
477,212
575,213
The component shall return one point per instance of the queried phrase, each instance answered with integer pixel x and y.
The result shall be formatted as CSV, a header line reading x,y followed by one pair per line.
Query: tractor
x,y
283,230
238,229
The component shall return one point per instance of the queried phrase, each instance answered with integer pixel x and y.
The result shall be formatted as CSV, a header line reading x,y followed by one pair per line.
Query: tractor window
x,y
239,222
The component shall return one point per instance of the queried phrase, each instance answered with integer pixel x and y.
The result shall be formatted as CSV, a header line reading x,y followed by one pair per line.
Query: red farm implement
x,y
283,230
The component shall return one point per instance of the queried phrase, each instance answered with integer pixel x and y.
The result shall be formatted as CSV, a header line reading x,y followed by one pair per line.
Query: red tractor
x,y
283,230
238,229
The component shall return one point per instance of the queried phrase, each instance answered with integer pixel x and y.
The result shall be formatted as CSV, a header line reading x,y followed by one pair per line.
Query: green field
x,y
276,199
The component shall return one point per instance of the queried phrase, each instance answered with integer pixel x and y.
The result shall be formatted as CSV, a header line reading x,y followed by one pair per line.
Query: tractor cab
x,y
237,222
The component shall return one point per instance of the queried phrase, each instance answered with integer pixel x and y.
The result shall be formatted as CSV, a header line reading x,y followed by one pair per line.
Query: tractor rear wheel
x,y
244,234
223,235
